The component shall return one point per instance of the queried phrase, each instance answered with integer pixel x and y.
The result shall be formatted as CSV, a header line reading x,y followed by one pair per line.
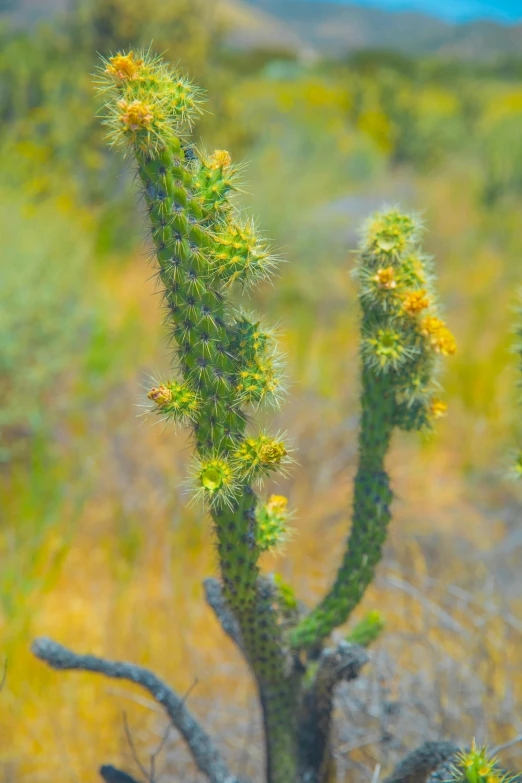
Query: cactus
x,y
478,765
227,364
444,762
368,630
402,341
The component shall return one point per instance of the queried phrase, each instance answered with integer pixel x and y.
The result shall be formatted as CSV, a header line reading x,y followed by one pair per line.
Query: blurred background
x,y
338,109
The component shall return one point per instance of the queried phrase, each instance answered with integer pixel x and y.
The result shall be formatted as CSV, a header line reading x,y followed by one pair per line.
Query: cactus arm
x,y
206,755
371,515
225,361
367,630
402,339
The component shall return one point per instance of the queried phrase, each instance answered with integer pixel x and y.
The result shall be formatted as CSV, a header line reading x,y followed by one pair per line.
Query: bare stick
x,y
166,735
154,756
376,774
418,765
205,754
132,746
506,745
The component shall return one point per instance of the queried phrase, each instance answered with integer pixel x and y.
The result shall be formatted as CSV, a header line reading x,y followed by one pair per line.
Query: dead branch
x,y
205,754
216,601
421,762
112,775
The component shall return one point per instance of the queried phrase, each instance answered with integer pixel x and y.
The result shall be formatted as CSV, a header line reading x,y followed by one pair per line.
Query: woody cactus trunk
x,y
227,364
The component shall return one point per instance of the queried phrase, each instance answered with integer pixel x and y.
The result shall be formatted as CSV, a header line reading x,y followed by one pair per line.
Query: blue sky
x,y
454,10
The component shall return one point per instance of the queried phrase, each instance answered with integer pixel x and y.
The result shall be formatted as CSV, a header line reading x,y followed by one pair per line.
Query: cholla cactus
x,y
227,363
477,765
444,762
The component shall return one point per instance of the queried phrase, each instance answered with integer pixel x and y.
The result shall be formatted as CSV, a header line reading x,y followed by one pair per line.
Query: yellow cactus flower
x,y
161,395
135,115
220,160
441,339
277,504
415,302
260,456
124,66
272,453
438,408
385,278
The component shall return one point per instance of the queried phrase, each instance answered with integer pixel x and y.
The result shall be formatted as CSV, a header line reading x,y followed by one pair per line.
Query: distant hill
x,y
250,26
338,29
331,28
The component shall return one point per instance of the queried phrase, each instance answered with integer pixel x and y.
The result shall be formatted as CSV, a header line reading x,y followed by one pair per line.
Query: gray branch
x,y
112,775
205,754
216,600
335,665
418,765
343,662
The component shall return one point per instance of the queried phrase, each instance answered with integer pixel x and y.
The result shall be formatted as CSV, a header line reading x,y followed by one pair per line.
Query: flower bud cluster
x,y
477,765
403,334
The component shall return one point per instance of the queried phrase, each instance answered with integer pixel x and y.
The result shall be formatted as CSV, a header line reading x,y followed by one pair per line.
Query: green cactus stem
x,y
225,361
477,765
272,523
368,630
402,342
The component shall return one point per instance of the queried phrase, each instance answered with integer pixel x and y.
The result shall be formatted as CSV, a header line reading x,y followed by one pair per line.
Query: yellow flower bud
x,y
385,278
272,453
441,339
277,504
135,115
415,302
124,66
438,408
161,396
220,160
